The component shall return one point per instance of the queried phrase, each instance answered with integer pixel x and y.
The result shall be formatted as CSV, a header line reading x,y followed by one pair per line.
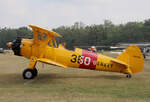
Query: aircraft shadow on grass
x,y
67,76
44,78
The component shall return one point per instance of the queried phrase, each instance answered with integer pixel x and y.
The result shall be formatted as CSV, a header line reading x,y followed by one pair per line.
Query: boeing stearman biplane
x,y
43,48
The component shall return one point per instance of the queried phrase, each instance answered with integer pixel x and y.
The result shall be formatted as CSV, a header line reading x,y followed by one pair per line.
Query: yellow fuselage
x,y
78,59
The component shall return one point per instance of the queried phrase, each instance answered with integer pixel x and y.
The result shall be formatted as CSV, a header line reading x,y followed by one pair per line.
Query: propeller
x,y
15,45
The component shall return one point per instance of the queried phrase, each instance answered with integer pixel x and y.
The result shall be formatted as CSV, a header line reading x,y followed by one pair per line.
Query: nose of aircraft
x,y
16,46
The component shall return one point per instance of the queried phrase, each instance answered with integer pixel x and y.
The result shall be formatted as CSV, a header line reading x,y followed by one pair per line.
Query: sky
x,y
54,13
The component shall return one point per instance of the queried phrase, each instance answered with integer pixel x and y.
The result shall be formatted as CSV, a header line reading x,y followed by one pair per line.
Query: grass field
x,y
55,84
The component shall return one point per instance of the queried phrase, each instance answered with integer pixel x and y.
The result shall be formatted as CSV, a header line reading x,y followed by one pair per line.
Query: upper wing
x,y
45,31
44,60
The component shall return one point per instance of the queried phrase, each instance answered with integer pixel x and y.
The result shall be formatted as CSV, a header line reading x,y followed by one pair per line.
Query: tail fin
x,y
133,57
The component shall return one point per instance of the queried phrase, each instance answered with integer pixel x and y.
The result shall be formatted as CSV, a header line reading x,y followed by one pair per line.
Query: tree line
x,y
80,34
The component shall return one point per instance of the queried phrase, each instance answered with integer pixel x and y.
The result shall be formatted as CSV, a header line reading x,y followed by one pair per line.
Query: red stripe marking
x,y
89,60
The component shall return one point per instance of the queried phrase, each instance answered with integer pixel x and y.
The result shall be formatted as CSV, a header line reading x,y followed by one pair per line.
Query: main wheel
x,y
28,74
128,75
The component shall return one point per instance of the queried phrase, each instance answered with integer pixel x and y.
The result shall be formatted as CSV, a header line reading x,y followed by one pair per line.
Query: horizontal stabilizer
x,y
44,60
119,62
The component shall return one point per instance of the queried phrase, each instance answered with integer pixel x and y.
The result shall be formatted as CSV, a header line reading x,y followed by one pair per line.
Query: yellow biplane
x,y
44,48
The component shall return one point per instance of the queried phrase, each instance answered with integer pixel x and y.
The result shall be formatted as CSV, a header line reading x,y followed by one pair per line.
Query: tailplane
x,y
133,57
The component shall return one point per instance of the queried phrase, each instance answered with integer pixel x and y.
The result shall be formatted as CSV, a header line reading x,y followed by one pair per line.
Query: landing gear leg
x,y
31,72
128,75
35,72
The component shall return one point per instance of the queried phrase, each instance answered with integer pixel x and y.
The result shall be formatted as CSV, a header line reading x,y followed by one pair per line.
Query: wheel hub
x,y
28,74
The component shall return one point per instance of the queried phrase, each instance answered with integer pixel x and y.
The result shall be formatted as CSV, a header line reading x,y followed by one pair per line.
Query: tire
x,y
35,72
128,75
28,74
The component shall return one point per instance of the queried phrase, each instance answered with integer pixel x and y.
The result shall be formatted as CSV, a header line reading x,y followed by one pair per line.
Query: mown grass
x,y
55,84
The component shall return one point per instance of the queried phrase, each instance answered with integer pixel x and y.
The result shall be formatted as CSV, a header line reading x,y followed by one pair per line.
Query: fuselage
x,y
79,58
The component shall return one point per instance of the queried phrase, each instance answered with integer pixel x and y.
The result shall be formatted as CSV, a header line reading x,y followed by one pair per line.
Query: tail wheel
x,y
128,75
28,74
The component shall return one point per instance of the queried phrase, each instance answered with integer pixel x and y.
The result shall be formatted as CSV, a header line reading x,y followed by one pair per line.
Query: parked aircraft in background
x,y
144,46
1,50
